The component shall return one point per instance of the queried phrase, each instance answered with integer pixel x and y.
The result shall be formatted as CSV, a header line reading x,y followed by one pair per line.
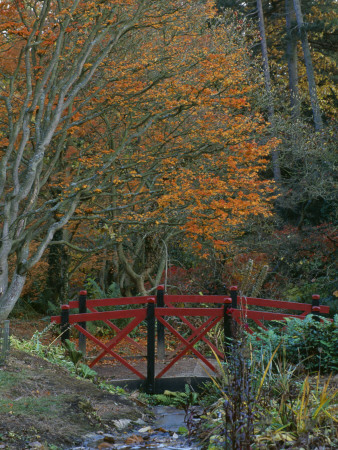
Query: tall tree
x,y
266,71
138,103
195,173
292,60
317,118
53,52
319,25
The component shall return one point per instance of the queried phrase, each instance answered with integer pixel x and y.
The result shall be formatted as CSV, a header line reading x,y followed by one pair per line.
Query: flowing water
x,y
164,433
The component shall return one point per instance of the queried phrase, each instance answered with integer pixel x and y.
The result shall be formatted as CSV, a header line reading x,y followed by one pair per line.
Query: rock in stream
x,y
167,432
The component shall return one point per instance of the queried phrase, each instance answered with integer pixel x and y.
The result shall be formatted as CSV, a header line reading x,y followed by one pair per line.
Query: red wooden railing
x,y
214,308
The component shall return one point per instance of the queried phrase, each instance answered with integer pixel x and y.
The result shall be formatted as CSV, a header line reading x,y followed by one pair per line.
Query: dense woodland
x,y
179,142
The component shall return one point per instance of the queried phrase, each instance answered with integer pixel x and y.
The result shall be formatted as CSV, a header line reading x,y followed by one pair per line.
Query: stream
x,y
163,433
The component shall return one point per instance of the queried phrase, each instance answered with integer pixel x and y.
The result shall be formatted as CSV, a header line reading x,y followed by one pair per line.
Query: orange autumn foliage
x,y
197,166
133,112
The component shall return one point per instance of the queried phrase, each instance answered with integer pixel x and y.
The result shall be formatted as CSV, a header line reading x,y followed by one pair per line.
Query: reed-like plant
x,y
265,403
233,427
310,417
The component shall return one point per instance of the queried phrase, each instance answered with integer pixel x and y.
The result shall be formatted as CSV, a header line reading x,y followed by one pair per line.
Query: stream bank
x,y
43,406
167,432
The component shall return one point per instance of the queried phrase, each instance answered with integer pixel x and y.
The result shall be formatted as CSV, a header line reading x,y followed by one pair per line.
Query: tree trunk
x,y
292,59
11,296
266,69
36,111
267,79
58,265
317,118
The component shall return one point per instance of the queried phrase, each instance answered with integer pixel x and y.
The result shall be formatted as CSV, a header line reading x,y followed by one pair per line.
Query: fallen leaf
x,y
134,439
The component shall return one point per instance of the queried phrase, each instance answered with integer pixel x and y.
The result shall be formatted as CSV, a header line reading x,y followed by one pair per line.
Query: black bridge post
x,y
160,326
233,295
316,307
150,382
64,323
82,310
227,325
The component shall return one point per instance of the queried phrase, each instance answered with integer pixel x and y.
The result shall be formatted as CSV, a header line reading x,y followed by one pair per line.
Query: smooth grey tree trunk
x,y
292,59
266,69
37,134
317,118
10,297
267,80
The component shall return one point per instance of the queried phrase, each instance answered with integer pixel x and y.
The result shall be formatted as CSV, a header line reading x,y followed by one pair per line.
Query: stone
x,y
105,445
37,445
140,422
121,424
92,437
109,438
144,430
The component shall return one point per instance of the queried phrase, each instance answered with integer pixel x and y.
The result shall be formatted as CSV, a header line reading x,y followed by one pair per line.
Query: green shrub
x,y
312,343
94,291
178,399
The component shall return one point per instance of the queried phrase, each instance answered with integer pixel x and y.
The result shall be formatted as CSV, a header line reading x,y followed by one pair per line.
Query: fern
x,y
178,399
95,290
162,399
74,355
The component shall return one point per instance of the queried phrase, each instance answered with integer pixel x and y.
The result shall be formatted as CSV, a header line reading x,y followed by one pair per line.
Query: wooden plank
x,y
263,315
194,299
111,352
179,312
111,302
281,304
106,315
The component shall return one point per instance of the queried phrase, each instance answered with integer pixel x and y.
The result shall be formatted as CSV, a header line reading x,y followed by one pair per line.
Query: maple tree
x,y
196,173
135,115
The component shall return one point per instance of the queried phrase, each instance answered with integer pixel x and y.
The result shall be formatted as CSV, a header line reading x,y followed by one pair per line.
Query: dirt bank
x,y
43,406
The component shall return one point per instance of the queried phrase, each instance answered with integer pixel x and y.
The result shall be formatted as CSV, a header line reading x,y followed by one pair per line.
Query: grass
x,y
37,406
8,379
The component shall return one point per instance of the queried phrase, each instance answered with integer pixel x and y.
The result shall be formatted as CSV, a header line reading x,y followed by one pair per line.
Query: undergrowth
x,y
66,356
267,401
309,342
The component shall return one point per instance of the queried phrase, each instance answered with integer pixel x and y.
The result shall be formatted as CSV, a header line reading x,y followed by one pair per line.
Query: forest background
x,y
178,142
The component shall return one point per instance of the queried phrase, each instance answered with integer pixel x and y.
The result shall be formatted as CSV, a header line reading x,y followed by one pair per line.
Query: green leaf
x,y
74,354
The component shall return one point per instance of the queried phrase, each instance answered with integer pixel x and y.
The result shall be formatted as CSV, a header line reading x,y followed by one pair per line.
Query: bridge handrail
x,y
111,302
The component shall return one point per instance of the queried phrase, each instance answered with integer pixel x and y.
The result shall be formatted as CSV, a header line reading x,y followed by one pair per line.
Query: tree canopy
x,y
132,114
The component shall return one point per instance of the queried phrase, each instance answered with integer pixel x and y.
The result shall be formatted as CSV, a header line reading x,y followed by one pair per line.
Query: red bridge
x,y
163,309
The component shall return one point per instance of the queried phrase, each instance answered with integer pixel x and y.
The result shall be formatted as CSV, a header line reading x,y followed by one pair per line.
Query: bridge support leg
x,y
316,307
160,326
64,323
150,382
82,310
227,325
